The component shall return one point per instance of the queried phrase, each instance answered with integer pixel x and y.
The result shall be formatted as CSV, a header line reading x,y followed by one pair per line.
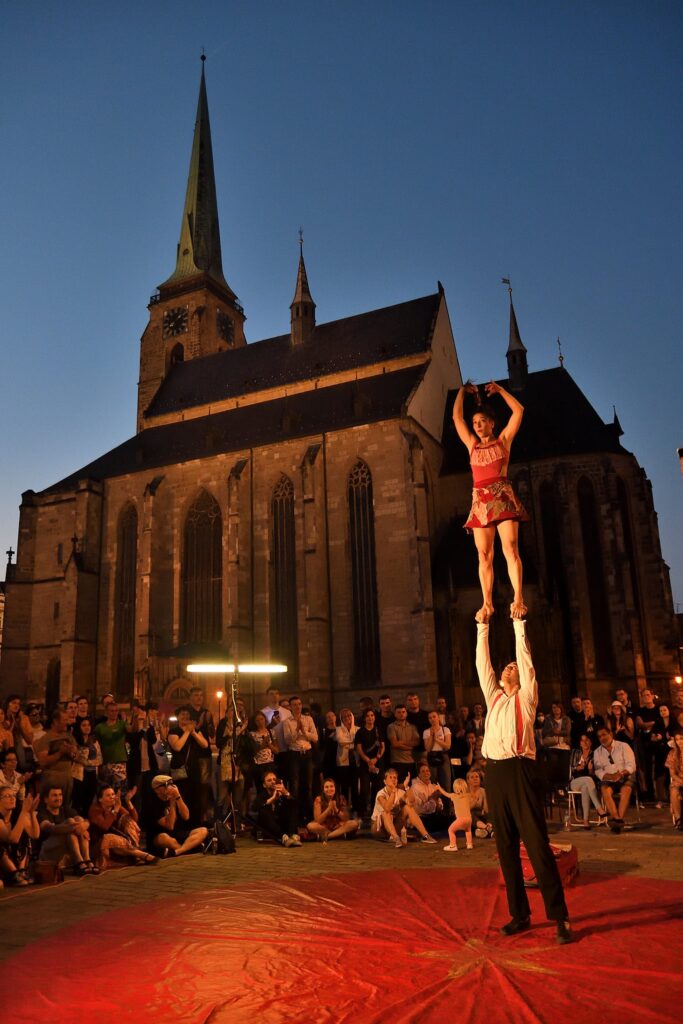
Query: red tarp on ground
x,y
411,947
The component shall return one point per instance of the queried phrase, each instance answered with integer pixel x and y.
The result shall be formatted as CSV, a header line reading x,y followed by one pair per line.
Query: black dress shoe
x,y
564,933
514,927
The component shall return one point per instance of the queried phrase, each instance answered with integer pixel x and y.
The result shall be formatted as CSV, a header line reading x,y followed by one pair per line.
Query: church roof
x,y
558,420
345,344
307,413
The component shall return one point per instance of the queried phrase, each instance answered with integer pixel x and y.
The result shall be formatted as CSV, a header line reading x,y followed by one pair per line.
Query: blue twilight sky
x,y
414,141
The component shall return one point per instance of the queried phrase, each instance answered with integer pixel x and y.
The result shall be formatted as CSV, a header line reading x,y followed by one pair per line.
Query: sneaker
x,y
397,843
481,833
470,846
515,927
286,841
451,848
295,840
428,839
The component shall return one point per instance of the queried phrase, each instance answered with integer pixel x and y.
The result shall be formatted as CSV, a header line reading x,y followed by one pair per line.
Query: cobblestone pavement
x,y
652,849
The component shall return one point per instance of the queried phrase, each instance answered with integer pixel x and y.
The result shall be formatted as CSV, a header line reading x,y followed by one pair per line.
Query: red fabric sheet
x,y
411,947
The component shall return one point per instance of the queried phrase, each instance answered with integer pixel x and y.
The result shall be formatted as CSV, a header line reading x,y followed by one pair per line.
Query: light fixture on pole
x,y
219,698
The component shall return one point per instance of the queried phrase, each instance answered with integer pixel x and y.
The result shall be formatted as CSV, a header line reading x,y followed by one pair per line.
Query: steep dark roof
x,y
355,341
558,420
307,413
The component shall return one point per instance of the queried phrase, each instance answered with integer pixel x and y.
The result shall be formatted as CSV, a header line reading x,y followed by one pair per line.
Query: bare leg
x,y
195,839
606,793
344,829
318,830
411,816
483,538
624,800
509,535
388,822
675,798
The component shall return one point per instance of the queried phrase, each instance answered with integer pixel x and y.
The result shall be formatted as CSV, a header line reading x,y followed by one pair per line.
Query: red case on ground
x,y
566,856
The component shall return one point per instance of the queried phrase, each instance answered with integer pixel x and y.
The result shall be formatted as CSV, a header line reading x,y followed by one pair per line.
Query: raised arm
x,y
508,433
528,686
463,431
487,677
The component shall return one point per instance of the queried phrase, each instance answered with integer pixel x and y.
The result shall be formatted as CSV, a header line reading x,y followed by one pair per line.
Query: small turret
x,y
302,306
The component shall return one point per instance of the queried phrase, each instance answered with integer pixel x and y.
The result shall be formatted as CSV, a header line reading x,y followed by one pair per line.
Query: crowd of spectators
x,y
134,786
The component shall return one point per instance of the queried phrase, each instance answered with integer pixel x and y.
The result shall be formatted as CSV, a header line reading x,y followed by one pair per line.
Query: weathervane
x,y
506,280
559,349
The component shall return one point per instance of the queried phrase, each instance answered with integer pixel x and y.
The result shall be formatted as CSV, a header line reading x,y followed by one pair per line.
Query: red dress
x,y
493,496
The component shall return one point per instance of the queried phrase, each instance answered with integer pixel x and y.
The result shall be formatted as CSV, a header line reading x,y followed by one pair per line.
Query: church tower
x,y
518,370
302,306
195,312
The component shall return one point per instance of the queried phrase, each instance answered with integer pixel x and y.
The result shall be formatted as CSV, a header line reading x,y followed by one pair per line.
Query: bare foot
x,y
484,613
518,610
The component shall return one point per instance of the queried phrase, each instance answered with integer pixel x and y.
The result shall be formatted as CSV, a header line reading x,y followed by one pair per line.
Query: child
x,y
460,798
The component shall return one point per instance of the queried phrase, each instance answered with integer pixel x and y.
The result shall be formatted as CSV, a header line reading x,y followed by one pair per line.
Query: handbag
x,y
178,774
435,758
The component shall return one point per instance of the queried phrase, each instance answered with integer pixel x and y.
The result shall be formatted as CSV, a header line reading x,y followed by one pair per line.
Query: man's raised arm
x,y
487,677
527,673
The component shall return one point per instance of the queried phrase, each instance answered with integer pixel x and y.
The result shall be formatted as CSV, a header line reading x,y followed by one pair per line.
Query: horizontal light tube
x,y
221,668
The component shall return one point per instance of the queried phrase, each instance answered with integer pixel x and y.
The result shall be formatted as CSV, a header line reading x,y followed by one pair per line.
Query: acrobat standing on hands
x,y
495,506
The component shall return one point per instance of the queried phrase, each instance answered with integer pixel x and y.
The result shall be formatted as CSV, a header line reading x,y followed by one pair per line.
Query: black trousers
x,y
514,790
278,819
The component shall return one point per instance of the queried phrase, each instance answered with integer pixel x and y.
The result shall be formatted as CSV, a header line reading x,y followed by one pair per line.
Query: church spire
x,y
518,369
302,306
199,249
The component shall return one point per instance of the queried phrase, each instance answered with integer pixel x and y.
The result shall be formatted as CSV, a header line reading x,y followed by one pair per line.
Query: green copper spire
x,y
199,249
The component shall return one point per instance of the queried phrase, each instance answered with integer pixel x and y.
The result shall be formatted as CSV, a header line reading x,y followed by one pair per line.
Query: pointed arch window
x,y
366,649
283,620
201,575
124,601
595,577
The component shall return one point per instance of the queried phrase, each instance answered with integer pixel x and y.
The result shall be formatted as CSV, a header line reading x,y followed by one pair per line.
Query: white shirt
x,y
284,713
395,800
443,738
623,759
509,720
299,739
425,794
344,738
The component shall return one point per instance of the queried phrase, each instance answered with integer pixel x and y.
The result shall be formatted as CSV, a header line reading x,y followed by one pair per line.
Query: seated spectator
x,y
460,798
345,769
427,799
65,835
9,775
478,805
166,820
276,812
437,744
331,814
539,722
114,829
56,751
582,776
615,767
394,806
18,826
674,763
621,725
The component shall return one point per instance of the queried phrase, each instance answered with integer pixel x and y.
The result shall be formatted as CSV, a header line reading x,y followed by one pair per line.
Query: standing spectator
x,y
264,747
615,767
463,717
442,711
35,717
621,725
437,744
575,711
460,798
345,768
674,763
142,760
273,710
276,811
418,717
587,724
71,709
66,835
184,740
626,702
384,719
369,751
477,723
22,731
229,737
18,826
300,733
661,741
555,740
648,722
582,775
111,736
403,740
56,751
331,814
328,746
166,819
82,711
201,763
89,759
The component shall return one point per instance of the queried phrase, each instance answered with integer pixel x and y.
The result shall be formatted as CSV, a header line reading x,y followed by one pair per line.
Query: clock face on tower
x,y
224,326
175,321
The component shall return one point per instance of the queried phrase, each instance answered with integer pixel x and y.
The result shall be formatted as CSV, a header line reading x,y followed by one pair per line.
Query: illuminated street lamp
x,y
219,697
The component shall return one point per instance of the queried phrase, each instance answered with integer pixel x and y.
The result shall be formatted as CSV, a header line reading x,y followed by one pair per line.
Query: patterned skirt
x,y
494,503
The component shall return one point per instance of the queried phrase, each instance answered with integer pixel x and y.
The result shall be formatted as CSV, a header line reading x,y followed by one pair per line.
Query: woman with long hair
x,y
345,769
331,814
582,780
674,763
495,506
115,831
370,750
621,724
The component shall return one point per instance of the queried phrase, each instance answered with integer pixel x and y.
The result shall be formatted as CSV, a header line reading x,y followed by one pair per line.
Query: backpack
x,y
225,841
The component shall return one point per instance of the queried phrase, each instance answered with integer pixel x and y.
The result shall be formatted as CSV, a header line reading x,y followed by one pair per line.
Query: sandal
x,y
148,858
92,870
17,878
82,869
